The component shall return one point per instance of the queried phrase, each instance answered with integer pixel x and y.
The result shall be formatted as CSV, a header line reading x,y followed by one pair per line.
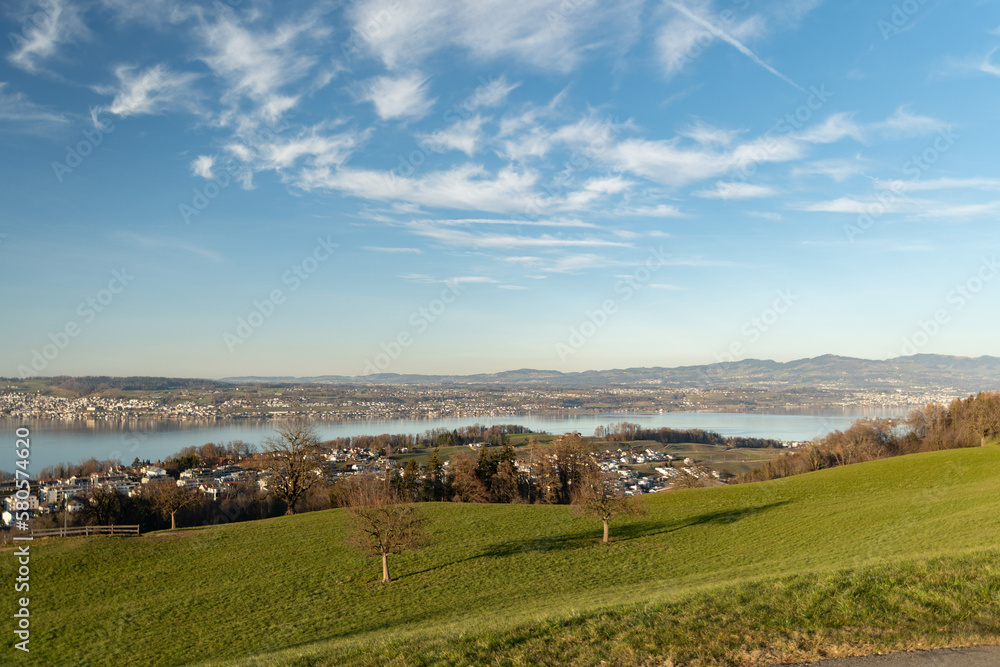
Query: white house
x,y
74,505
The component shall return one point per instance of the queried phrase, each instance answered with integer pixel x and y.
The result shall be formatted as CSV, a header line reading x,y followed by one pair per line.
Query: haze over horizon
x,y
198,189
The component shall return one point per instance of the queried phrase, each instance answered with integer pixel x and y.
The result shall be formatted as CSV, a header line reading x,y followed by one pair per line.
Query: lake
x,y
71,442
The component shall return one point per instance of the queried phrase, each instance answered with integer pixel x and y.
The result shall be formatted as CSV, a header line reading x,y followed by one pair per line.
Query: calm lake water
x,y
72,442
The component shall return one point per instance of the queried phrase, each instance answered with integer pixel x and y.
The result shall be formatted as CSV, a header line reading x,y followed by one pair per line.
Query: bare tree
x,y
596,495
382,523
168,499
293,460
465,483
104,506
985,415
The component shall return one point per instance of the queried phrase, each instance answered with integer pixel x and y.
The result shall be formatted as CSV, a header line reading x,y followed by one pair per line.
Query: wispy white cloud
x,y
464,135
545,222
46,25
424,279
470,280
260,65
155,13
988,66
736,190
392,251
21,112
837,169
656,211
930,209
848,205
324,149
991,184
832,129
491,93
170,243
709,135
562,263
398,97
312,148
902,123
596,189
670,163
467,187
202,166
420,278
766,215
151,91
548,34
463,238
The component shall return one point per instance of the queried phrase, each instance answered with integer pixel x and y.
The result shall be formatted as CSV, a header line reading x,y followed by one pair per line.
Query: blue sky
x,y
436,186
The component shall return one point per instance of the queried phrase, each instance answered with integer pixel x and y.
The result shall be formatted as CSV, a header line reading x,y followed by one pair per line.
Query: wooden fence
x,y
87,530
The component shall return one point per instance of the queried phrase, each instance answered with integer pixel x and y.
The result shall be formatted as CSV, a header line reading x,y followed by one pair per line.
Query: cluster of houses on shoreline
x,y
52,496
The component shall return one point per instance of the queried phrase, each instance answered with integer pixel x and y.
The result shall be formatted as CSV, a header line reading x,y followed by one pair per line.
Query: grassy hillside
x,y
506,577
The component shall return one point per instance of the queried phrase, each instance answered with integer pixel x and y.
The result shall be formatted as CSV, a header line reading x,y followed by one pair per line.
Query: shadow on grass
x,y
639,528
622,531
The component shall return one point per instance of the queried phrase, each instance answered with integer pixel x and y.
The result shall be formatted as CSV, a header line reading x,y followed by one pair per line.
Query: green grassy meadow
x,y
888,554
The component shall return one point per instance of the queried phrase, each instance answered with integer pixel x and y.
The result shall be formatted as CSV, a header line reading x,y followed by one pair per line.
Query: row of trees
x,y
208,455
630,432
547,475
968,422
389,444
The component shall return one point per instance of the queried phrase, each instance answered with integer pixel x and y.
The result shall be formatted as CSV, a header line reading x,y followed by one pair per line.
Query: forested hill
x,y
930,371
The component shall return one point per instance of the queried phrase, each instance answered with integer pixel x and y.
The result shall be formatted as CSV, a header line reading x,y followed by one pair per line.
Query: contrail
x,y
737,44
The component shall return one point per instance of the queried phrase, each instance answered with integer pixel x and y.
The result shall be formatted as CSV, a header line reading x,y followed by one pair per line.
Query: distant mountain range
x,y
921,371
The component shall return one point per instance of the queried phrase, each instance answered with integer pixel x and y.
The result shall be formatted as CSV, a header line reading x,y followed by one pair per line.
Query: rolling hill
x,y
889,554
